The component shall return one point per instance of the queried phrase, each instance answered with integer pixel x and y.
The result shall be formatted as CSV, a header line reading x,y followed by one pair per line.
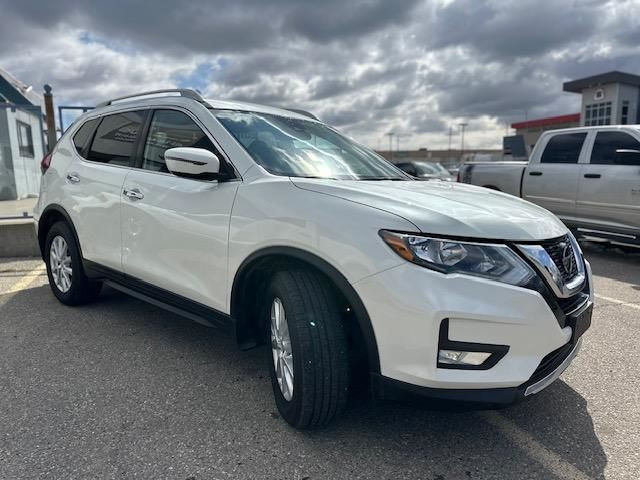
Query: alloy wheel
x,y
281,349
60,263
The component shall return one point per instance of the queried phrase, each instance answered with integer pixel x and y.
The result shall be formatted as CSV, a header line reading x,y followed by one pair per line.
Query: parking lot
x,y
122,389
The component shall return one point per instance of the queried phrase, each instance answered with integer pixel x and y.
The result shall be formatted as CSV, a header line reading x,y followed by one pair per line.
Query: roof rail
x,y
183,92
303,112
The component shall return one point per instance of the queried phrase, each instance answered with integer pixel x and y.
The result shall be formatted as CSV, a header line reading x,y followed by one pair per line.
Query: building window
x,y
624,117
597,114
25,139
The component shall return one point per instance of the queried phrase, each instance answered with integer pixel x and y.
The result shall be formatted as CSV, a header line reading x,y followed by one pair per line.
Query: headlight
x,y
495,262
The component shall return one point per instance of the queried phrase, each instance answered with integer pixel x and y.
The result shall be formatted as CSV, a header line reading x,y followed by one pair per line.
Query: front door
x,y
174,229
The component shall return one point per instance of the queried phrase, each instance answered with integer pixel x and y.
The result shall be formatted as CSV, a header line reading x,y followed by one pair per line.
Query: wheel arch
x,y
270,259
50,215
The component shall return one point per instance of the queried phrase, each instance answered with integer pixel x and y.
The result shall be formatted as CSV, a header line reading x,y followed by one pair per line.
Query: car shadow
x,y
132,356
613,262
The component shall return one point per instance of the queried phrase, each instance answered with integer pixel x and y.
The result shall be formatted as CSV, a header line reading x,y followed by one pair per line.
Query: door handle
x,y
535,174
73,177
592,175
133,194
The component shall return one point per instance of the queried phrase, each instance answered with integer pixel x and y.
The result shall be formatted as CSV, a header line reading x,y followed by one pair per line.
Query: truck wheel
x,y
308,349
64,268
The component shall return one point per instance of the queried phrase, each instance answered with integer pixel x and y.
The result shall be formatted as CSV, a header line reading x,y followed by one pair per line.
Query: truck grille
x,y
561,252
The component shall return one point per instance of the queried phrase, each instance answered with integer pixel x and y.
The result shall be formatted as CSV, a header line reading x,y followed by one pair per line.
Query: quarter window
x,y
115,138
83,136
563,148
172,129
615,148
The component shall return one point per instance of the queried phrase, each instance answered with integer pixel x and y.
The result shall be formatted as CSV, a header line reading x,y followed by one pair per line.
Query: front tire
x,y
67,279
308,357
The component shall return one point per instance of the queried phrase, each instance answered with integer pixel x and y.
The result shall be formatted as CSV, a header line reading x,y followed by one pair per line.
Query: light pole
x,y
390,135
462,127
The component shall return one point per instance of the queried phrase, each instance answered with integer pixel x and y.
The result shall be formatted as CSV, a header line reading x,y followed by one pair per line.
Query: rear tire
x,y
312,321
67,279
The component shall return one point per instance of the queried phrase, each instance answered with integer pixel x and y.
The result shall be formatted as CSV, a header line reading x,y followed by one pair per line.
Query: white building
x,y
608,98
22,143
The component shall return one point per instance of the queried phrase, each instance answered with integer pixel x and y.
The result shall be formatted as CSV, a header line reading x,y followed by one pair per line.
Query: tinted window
x,y
563,148
83,135
171,129
407,167
115,138
615,148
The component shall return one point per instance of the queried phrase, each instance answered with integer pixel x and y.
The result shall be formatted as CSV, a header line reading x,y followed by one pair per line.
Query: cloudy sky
x,y
366,66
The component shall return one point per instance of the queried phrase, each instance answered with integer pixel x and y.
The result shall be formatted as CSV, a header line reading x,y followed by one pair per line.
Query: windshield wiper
x,y
313,176
377,179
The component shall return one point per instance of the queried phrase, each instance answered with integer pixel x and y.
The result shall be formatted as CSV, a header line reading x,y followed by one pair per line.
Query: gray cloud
x,y
510,29
367,66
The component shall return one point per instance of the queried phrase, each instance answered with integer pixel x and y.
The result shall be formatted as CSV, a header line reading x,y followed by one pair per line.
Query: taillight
x,y
458,177
45,163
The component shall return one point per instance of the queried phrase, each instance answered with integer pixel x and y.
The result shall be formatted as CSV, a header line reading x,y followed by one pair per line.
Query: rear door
x,y
94,183
609,186
175,233
551,180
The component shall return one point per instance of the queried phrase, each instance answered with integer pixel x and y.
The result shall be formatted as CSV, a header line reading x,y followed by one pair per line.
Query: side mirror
x,y
192,162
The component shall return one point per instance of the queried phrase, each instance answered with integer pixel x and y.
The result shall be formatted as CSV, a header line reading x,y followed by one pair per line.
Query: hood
x,y
447,208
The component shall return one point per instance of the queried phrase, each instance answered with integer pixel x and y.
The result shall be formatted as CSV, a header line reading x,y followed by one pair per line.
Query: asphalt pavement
x,y
122,389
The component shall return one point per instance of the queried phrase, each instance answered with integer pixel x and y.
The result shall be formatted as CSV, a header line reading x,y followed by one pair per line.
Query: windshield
x,y
300,148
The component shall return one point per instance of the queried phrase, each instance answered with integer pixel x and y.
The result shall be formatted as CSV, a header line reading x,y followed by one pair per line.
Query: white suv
x,y
272,224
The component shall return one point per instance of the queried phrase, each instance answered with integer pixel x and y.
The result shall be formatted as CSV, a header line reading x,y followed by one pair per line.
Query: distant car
x,y
426,170
588,176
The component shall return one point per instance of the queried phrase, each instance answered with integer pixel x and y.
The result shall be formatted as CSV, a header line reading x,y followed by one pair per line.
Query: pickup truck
x,y
588,176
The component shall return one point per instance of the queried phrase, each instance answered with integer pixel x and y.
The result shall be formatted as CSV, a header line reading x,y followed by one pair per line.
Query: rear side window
x,y
615,148
83,136
172,129
115,138
564,148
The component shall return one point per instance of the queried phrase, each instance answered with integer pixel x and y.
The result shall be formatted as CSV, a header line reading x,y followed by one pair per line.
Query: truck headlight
x,y
495,262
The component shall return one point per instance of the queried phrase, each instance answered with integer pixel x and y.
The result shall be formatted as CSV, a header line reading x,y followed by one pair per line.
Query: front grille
x,y
562,253
571,304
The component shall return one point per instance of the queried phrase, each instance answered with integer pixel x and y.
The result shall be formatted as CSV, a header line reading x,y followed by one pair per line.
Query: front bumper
x,y
407,305
386,388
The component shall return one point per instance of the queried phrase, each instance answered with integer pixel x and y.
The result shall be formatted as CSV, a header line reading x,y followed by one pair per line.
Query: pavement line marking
x,y
26,281
534,449
618,302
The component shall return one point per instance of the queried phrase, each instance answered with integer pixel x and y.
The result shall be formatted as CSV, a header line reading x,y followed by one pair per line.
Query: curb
x,y
18,238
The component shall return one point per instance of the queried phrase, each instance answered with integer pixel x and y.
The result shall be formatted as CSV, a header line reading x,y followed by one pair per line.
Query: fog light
x,y
454,357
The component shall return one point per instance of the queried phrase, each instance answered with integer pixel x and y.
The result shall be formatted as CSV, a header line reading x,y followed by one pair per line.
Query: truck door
x,y
551,179
609,185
